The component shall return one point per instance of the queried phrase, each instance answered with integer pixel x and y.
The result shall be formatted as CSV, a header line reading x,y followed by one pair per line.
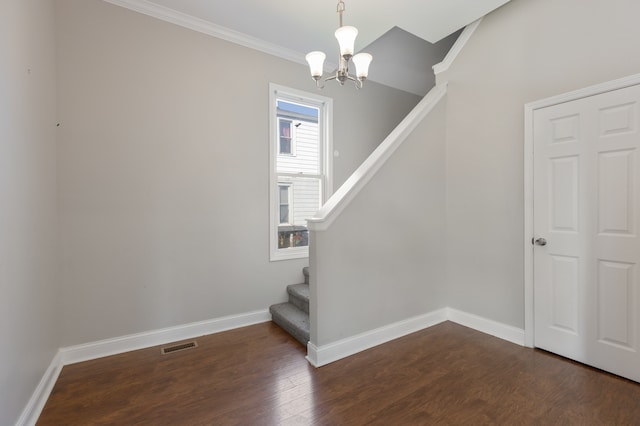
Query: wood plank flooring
x,y
447,374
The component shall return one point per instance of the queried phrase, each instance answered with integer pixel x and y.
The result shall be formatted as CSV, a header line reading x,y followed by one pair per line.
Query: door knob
x,y
541,242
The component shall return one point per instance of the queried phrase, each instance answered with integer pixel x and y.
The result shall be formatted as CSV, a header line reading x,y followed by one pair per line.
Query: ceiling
x,y
401,33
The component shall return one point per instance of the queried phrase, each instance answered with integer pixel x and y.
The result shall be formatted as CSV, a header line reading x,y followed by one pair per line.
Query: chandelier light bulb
x,y
362,61
346,38
316,63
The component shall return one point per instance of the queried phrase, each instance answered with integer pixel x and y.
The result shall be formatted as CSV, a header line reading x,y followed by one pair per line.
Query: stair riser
x,y
300,303
290,326
297,334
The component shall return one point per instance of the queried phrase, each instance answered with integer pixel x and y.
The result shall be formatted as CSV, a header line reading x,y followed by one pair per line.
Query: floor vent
x,y
179,347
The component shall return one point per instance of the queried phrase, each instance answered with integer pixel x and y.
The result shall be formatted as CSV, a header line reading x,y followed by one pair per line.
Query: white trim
x,y
39,398
528,227
457,47
358,180
326,354
487,326
596,89
317,356
529,111
118,345
325,130
132,342
200,25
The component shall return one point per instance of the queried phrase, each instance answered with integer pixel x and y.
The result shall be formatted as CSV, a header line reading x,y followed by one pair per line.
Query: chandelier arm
x,y
357,82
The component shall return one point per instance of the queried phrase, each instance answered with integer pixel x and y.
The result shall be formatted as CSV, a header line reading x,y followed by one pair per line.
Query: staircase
x,y
293,316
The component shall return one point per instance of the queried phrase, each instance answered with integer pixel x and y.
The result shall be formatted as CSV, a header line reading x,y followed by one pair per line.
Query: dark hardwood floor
x,y
447,374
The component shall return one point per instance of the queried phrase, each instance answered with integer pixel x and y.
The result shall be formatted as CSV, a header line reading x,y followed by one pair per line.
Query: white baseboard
x,y
102,348
326,354
38,399
317,356
132,342
487,326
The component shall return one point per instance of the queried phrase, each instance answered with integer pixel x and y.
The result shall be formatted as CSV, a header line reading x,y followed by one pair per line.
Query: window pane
x,y
284,194
298,139
284,214
285,145
304,201
292,236
286,107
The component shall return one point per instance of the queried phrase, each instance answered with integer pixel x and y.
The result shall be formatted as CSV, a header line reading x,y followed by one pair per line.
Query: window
x,y
284,203
285,136
300,167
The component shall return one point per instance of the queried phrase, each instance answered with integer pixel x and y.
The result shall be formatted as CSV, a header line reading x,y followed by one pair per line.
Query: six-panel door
x,y
586,191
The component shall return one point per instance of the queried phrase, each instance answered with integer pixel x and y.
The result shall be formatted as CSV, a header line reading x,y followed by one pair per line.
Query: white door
x,y
586,190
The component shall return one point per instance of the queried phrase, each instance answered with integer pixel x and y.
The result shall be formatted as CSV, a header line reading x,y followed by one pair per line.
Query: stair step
x,y
293,320
299,296
305,272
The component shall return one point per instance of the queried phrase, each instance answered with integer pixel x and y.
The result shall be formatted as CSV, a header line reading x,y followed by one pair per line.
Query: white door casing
x,y
583,293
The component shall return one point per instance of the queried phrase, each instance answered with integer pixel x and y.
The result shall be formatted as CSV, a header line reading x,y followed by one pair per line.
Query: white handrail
x,y
456,48
354,184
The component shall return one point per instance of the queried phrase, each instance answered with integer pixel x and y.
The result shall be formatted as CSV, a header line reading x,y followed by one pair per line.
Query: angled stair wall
x,y
377,246
377,251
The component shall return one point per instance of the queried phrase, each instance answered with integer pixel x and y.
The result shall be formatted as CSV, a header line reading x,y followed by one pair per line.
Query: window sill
x,y
290,254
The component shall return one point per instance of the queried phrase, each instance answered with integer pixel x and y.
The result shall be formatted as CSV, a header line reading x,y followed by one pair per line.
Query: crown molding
x,y
202,26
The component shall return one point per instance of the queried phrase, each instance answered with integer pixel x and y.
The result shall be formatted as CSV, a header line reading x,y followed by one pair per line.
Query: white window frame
x,y
325,130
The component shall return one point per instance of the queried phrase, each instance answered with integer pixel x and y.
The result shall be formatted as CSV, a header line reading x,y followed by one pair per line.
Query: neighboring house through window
x,y
300,167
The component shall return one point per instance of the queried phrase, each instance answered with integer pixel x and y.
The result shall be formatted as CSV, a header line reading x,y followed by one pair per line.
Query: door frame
x,y
529,110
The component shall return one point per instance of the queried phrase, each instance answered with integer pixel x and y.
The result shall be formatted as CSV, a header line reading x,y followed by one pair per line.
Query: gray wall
x,y
524,51
382,260
29,329
164,170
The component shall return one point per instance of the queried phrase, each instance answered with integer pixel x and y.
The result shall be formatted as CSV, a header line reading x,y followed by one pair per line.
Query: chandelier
x,y
346,36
